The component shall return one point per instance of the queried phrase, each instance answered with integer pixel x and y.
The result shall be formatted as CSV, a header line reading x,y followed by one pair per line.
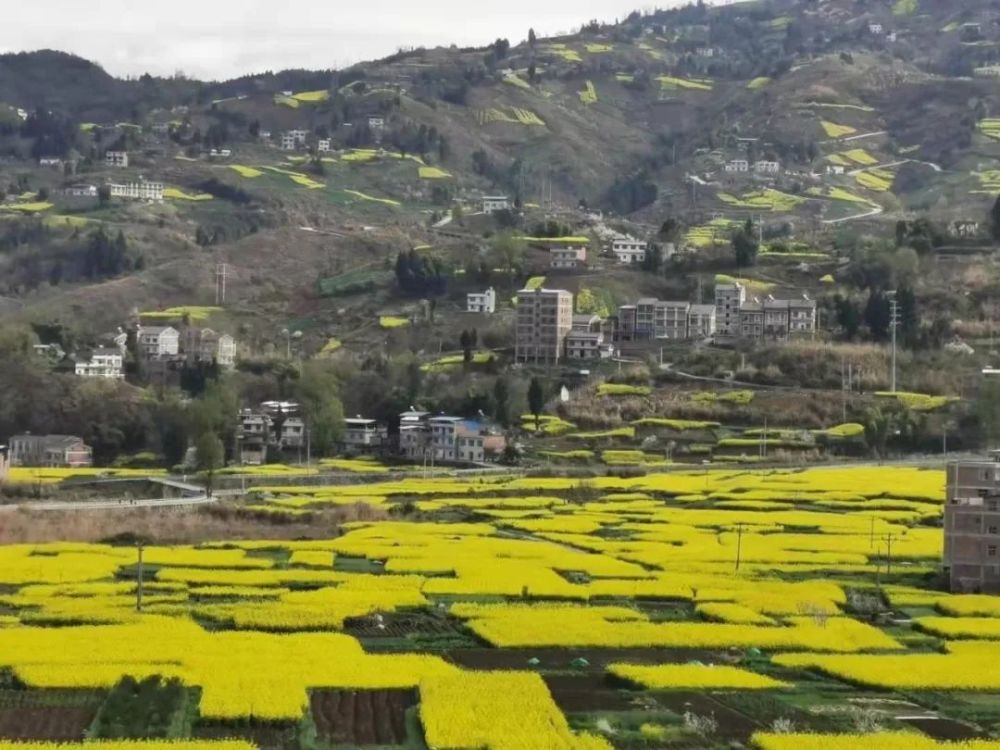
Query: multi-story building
x,y
323,145
629,250
157,342
737,166
544,319
116,159
481,302
751,320
363,435
701,321
288,142
103,363
494,203
972,525
444,437
625,328
80,191
49,451
293,433
205,345
567,256
587,345
470,442
414,434
801,315
253,436
728,300
138,191
763,166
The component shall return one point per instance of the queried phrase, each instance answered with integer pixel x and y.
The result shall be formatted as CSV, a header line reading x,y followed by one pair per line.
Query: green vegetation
x,y
194,312
622,389
919,401
676,424
833,130
740,398
392,321
589,94
692,84
767,199
619,432
758,83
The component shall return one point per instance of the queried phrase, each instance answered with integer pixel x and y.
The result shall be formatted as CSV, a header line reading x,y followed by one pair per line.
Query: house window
x,y
992,530
991,550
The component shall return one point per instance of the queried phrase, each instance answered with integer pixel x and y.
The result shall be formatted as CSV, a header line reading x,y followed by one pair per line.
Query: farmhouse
x,y
494,203
876,29
737,165
481,302
323,146
157,342
51,451
965,229
587,345
766,167
628,250
80,191
103,363
205,345
567,256
288,142
728,300
116,159
972,525
835,169
363,435
701,321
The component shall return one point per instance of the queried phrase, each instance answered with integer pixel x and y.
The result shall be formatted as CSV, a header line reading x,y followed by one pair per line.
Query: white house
x,y
362,434
766,167
220,152
494,203
288,142
141,191
293,433
481,302
323,146
103,363
376,123
629,250
567,256
299,135
156,342
81,191
876,28
835,169
50,162
116,159
737,165
587,345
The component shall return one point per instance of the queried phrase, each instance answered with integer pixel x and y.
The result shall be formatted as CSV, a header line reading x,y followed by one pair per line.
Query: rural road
x,y
174,502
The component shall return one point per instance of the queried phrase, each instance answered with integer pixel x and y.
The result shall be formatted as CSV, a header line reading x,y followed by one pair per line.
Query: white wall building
x,y
81,191
156,342
729,298
568,256
116,159
587,345
767,167
628,250
494,203
140,191
737,166
103,363
323,146
481,302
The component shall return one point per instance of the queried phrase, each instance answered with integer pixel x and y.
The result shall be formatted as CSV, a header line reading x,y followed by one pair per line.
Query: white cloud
x,y
225,38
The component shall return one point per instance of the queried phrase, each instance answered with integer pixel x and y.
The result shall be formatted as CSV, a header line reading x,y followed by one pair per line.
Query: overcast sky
x,y
216,39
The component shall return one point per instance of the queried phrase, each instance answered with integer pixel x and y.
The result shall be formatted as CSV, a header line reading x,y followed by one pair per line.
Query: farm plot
x,y
500,611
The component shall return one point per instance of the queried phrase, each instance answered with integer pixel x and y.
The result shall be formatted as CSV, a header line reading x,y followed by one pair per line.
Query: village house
x,y
116,159
253,435
224,153
737,166
143,191
972,525
587,345
103,363
567,256
363,435
494,203
414,434
288,142
50,162
763,166
80,191
49,451
293,433
544,319
965,229
323,145
628,250
157,342
205,345
835,169
701,321
481,302
876,29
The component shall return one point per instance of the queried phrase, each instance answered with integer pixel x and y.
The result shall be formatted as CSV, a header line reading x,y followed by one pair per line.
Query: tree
x,y
531,38
653,259
467,341
209,455
317,393
669,229
104,194
501,401
878,315
988,411
745,247
848,316
536,399
506,254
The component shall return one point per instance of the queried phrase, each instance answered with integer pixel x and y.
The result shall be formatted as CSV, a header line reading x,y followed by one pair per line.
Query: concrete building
x,y
116,159
323,145
876,29
587,345
288,142
363,435
625,325
103,363
205,345
777,318
567,256
764,166
253,435
728,300
494,203
972,525
801,316
736,166
628,250
81,191
50,451
544,319
293,433
481,302
701,321
156,342
751,320
138,191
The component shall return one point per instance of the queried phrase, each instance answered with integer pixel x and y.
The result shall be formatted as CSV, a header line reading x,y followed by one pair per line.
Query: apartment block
x,y
972,525
544,319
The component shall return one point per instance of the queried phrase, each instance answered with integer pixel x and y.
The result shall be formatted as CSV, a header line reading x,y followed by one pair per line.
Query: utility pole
x,y
221,271
894,323
739,544
138,590
843,391
888,552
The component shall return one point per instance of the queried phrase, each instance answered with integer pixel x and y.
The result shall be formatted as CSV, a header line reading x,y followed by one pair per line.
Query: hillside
x,y
874,113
